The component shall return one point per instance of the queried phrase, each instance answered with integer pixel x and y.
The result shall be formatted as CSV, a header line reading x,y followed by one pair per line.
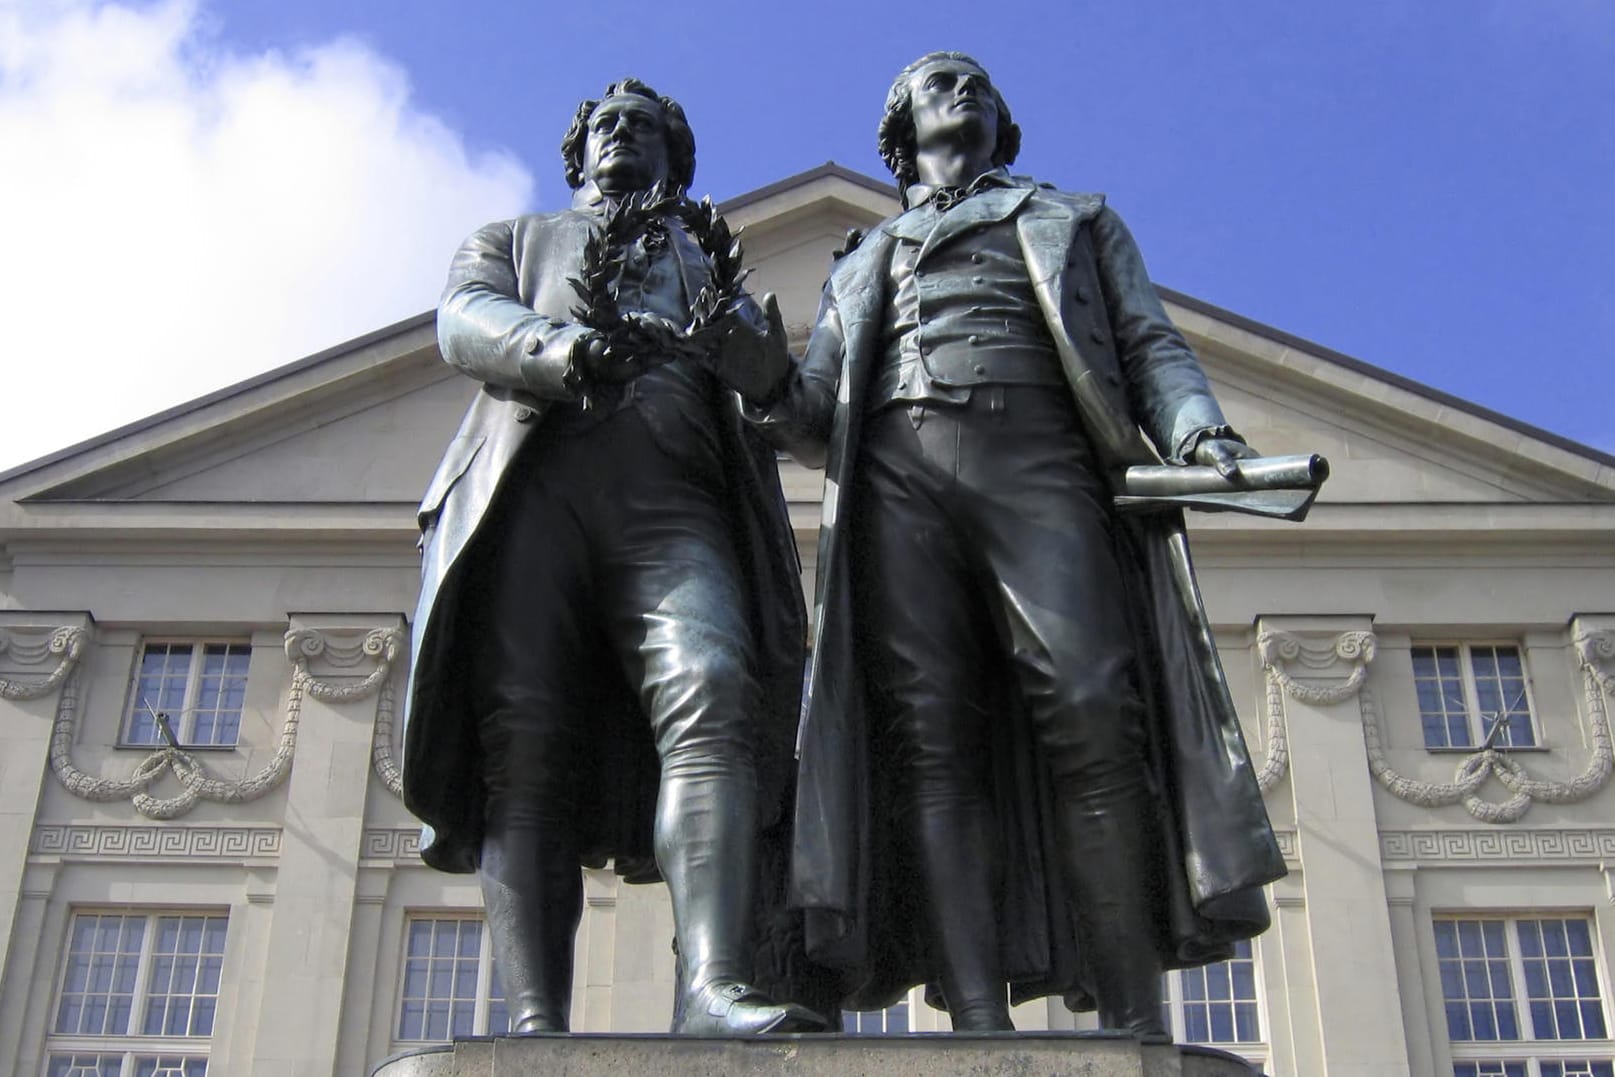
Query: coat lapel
x,y
859,286
1046,232
1048,229
988,207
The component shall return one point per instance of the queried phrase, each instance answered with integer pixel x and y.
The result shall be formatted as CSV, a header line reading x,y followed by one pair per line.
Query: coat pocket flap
x,y
461,451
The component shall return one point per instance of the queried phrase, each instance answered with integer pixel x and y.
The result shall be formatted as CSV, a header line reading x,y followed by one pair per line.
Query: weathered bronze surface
x,y
608,646
1019,762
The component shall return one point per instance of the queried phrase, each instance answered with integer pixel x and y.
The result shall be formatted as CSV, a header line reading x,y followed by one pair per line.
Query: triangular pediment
x,y
1389,440
357,423
364,423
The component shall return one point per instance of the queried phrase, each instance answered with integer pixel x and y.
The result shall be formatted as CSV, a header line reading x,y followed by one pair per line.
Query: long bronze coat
x,y
1128,368
504,320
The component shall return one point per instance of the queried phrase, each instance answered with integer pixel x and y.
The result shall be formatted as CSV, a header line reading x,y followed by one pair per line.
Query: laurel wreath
x,y
646,213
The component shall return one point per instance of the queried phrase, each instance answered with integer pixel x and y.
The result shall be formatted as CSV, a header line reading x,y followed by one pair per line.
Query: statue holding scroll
x,y
1019,763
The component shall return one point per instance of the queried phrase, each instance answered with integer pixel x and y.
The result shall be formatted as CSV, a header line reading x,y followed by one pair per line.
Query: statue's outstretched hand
x,y
604,363
1222,454
753,360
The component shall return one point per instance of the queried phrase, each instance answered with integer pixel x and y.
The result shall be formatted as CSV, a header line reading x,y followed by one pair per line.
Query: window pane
x,y
1476,983
160,681
174,990
441,966
1563,1004
1438,683
1218,1001
1500,696
892,1021
1245,1030
1446,939
221,691
84,1065
170,1066
498,1015
97,985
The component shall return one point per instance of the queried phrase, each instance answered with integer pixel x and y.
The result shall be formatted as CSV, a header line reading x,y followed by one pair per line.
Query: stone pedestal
x,y
1072,1054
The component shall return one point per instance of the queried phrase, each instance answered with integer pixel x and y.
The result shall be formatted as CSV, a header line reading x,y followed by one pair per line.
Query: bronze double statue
x,y
1019,771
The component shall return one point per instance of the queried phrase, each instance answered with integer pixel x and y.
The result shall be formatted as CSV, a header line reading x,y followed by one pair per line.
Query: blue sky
x,y
1427,187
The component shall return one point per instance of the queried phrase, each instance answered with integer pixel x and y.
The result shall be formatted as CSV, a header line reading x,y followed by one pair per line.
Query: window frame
x,y
484,1001
906,1005
134,1046
185,727
1257,1052
1530,1052
1473,719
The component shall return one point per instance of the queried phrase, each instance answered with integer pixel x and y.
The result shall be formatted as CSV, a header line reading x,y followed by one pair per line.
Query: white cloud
x,y
176,216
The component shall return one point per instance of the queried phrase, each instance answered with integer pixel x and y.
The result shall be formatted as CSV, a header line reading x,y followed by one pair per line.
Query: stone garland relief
x,y
1280,651
1279,648
380,646
67,644
383,645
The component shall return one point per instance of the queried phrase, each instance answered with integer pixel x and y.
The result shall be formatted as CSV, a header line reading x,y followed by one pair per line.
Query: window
x,y
1217,1004
891,1021
1523,998
450,986
1473,695
138,995
197,686
1576,1068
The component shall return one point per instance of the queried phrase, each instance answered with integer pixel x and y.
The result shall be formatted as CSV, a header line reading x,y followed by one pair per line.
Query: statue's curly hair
x,y
896,137
680,139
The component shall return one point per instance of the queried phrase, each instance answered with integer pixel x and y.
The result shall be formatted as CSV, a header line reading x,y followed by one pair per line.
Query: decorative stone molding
x,y
157,842
391,843
1287,846
1491,846
381,645
342,657
302,644
31,648
1594,650
1279,650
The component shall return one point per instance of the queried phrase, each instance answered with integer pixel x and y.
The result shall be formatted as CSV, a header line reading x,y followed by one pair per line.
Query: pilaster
x,y
1322,663
39,667
338,664
28,987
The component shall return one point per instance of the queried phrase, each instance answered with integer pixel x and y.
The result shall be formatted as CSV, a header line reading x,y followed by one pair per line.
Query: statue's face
x,y
953,103
627,145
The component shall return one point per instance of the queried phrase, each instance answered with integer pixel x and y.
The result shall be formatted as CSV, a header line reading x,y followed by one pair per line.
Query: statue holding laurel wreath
x,y
608,646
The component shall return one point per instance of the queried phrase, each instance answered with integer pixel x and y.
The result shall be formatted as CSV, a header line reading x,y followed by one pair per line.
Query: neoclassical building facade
x,y
205,866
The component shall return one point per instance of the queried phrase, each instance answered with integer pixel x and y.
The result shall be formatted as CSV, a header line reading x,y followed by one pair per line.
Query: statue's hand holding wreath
x,y
625,344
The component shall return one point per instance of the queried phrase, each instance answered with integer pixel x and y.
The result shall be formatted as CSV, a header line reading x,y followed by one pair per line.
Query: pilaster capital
x,y
1320,661
38,650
